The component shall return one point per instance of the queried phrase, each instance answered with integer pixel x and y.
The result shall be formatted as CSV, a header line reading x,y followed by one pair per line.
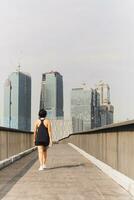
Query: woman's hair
x,y
42,113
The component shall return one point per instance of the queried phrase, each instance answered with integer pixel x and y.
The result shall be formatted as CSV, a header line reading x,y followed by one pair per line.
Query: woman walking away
x,y
42,137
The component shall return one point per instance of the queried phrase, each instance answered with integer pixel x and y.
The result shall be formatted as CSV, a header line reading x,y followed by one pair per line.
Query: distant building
x,y
84,109
106,109
96,109
91,108
17,101
51,97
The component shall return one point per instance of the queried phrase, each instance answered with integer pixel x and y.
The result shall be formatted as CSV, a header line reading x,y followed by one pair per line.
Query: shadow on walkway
x,y
66,166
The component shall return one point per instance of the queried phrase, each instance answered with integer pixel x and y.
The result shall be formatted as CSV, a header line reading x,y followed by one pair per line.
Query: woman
x,y
42,137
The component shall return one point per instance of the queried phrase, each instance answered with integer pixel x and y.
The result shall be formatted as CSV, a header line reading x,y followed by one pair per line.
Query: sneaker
x,y
40,168
44,166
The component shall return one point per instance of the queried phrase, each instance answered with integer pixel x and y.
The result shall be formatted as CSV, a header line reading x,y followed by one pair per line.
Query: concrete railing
x,y
113,145
13,142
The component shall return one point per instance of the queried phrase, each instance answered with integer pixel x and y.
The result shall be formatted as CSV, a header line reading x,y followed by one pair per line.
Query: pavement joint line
x,y
126,182
4,163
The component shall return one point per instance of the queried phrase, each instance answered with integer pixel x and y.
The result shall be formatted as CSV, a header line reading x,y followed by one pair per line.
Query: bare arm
x,y
49,130
35,127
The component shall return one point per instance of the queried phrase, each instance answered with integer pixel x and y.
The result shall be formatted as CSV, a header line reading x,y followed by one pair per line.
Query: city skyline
x,y
67,111
52,88
86,41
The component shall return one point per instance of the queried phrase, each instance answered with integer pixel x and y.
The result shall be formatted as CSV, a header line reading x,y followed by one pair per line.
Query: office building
x,y
106,109
84,108
51,97
17,101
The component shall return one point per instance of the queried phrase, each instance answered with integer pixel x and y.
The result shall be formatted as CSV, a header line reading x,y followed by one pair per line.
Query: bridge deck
x,y
69,176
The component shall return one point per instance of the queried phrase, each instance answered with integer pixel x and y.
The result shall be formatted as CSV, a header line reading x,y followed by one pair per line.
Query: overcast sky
x,y
85,40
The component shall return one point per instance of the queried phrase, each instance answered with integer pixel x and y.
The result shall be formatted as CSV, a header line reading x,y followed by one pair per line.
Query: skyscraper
x,y
104,90
51,97
106,109
17,101
84,108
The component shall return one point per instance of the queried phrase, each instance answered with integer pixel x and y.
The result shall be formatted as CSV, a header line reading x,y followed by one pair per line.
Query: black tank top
x,y
42,136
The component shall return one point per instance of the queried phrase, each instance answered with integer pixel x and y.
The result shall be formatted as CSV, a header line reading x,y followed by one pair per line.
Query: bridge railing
x,y
113,145
13,141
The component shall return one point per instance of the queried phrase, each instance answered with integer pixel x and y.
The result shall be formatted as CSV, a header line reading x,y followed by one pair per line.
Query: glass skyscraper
x,y
84,109
91,108
17,101
51,97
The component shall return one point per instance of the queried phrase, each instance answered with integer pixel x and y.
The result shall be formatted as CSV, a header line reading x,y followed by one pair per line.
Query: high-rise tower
x,y
17,101
52,94
84,109
106,109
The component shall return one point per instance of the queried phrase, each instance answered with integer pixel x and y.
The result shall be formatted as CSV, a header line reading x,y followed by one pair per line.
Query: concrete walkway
x,y
69,176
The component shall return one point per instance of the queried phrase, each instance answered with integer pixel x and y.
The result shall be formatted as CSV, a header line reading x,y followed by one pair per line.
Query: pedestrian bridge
x,y
94,165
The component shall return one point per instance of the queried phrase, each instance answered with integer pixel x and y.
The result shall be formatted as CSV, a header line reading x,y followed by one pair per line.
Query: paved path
x,y
69,176
11,174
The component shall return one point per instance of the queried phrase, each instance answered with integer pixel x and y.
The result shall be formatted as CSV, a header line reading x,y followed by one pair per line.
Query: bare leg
x,y
40,154
44,156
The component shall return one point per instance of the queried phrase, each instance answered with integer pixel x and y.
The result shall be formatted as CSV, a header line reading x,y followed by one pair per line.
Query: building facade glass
x,y
17,101
51,97
84,109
